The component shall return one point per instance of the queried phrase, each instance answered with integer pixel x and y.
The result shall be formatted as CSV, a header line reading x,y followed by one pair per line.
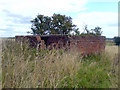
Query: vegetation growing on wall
x,y
95,31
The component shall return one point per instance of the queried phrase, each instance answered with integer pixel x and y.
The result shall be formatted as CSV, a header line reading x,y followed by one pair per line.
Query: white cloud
x,y
107,20
2,33
13,14
97,18
103,0
48,7
110,31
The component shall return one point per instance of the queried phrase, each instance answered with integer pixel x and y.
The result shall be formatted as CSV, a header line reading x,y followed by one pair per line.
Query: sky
x,y
15,15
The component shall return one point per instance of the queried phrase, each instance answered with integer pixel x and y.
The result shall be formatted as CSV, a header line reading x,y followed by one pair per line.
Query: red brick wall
x,y
88,44
84,44
32,40
57,41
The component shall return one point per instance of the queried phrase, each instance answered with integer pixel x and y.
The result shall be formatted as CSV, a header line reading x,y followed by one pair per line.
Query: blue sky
x,y
16,14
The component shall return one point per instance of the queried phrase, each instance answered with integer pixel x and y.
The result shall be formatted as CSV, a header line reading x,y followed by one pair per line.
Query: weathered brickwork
x,y
34,41
88,44
84,44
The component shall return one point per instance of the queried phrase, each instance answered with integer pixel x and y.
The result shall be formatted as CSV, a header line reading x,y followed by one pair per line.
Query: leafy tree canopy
x,y
40,25
57,24
97,31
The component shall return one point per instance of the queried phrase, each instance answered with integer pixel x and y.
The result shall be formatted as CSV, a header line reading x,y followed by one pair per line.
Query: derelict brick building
x,y
84,44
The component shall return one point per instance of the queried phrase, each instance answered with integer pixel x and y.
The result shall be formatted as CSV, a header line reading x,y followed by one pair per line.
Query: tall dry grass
x,y
112,54
0,63
29,68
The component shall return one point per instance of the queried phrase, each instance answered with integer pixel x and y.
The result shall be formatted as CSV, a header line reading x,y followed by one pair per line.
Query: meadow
x,y
25,67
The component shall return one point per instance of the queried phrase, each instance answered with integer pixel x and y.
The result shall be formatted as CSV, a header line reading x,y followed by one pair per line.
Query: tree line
x,y
59,24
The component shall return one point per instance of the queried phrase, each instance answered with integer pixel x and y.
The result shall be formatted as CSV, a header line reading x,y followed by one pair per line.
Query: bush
x,y
117,40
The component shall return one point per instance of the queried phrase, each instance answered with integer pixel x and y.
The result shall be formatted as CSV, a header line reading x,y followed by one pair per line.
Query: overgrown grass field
x,y
25,67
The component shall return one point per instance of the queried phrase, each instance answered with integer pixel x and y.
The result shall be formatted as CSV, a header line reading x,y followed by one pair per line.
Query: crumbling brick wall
x,y
88,44
84,44
57,41
33,41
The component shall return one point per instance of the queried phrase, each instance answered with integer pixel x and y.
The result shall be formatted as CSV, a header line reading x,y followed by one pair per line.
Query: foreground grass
x,y
28,68
0,63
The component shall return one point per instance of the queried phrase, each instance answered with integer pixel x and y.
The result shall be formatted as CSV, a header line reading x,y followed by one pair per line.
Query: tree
x,y
97,31
62,24
41,25
57,24
86,29
117,40
77,32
